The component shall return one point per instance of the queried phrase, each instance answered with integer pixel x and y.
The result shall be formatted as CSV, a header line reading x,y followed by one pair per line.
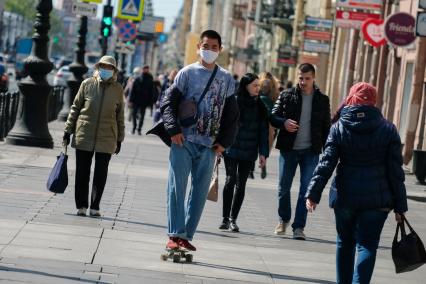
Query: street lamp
x,y
78,68
31,128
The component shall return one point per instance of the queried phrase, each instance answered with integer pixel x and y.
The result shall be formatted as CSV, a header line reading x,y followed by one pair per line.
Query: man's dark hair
x,y
211,34
307,67
146,67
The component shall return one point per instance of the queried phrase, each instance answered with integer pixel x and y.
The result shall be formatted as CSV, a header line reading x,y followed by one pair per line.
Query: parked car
x,y
61,77
62,62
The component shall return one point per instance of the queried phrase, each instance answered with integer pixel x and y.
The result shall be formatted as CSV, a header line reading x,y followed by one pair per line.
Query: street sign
x,y
400,29
126,30
313,59
151,25
421,24
352,20
94,1
121,47
319,23
311,46
373,31
360,4
130,9
84,9
317,35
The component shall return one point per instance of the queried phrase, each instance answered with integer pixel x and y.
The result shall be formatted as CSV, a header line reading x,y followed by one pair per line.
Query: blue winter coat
x,y
252,137
367,151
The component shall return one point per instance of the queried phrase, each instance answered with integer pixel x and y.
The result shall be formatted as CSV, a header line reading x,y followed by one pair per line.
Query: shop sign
x,y
373,32
311,46
400,29
360,4
421,24
319,23
317,35
287,55
353,20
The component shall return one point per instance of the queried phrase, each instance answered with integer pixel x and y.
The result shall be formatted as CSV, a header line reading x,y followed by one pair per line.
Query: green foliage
x,y
26,8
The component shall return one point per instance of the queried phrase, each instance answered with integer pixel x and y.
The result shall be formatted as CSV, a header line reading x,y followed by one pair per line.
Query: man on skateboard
x,y
197,136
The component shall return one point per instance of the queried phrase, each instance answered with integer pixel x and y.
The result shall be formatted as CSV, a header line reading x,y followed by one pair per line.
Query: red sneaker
x,y
172,243
184,244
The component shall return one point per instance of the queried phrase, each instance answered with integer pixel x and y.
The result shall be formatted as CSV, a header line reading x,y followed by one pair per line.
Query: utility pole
x,y
352,59
416,99
383,59
300,6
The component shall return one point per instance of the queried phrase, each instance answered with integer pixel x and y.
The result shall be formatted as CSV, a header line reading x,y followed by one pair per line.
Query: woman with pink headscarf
x,y
369,181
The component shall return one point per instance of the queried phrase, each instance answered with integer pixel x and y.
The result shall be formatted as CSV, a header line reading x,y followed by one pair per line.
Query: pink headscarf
x,y
362,94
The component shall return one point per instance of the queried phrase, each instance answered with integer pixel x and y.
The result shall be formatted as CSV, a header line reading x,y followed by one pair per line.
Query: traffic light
x,y
106,24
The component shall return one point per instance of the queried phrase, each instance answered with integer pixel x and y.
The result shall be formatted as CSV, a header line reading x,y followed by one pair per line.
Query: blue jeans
x,y
197,160
363,229
288,162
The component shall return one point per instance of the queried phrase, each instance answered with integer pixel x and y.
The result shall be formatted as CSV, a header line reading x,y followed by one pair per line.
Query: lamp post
x,y
78,68
31,128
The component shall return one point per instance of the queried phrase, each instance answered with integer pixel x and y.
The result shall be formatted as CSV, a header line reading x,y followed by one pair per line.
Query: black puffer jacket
x,y
252,137
289,106
228,121
142,91
367,151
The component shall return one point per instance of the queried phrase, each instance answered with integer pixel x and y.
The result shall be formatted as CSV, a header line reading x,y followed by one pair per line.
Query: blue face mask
x,y
105,74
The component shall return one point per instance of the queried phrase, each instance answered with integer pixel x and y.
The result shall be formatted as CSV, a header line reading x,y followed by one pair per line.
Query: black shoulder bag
x,y
188,109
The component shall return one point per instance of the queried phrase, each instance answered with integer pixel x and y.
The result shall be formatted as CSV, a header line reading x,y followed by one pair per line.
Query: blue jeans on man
x,y
199,161
361,228
307,160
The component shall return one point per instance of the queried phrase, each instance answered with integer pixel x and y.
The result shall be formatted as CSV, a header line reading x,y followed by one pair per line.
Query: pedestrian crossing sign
x,y
130,9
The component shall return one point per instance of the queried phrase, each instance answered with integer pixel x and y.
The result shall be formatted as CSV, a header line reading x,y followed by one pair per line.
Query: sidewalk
x,y
42,241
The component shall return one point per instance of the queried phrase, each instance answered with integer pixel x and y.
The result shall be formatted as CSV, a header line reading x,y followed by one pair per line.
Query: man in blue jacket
x,y
196,136
302,114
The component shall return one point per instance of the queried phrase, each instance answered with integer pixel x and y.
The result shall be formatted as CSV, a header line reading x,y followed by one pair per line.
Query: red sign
x,y
400,29
317,35
373,31
315,60
352,20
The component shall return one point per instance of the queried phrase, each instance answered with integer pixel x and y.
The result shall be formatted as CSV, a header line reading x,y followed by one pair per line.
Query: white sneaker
x,y
280,228
298,234
81,211
95,213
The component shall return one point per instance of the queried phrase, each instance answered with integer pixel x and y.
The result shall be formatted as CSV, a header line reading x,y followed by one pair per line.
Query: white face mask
x,y
208,56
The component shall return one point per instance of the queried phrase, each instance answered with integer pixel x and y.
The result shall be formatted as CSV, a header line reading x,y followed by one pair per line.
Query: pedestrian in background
x,y
96,120
196,138
141,96
302,115
369,181
129,108
268,94
251,142
168,81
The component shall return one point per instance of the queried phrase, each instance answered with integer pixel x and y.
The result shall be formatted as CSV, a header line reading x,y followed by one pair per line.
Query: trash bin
x,y
419,165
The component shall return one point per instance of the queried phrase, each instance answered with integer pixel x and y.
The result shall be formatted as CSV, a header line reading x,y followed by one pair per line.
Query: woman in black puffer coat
x,y
251,141
369,181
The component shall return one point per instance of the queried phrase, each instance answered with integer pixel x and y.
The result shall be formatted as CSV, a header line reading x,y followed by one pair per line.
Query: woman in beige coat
x,y
96,120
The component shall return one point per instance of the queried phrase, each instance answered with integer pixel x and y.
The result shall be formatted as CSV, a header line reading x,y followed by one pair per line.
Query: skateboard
x,y
176,255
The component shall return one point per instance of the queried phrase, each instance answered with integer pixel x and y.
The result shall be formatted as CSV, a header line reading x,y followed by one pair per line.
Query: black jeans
x,y
141,110
237,172
82,178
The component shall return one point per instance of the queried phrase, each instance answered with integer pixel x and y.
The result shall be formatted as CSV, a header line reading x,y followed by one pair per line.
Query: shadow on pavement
x,y
22,270
263,273
151,225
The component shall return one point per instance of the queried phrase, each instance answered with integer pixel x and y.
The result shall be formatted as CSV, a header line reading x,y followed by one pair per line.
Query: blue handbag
x,y
58,178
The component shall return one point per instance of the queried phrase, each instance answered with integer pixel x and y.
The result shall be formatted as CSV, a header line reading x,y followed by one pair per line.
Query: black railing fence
x,y
9,103
8,110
